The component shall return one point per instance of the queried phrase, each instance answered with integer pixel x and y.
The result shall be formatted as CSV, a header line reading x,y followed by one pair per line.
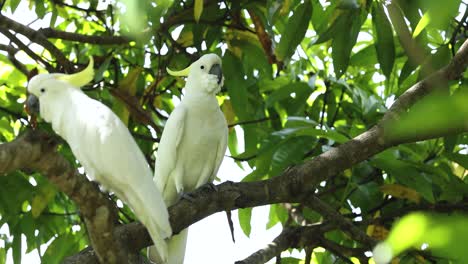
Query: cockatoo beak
x,y
32,105
216,70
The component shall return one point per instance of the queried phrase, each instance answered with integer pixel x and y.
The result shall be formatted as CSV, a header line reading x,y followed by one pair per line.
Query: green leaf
x,y
461,159
245,215
286,92
99,73
14,4
197,9
40,8
407,70
425,20
405,173
40,201
64,245
236,85
344,41
3,255
16,247
53,18
445,236
365,57
435,115
383,35
295,30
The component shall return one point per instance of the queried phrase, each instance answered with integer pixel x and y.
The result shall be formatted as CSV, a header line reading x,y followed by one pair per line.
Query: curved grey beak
x,y
32,104
216,70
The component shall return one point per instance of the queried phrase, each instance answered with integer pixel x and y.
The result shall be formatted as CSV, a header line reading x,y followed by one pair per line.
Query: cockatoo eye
x,y
202,67
42,90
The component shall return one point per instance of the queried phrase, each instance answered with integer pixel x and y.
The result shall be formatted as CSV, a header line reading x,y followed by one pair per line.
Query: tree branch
x,y
26,49
263,37
36,37
98,40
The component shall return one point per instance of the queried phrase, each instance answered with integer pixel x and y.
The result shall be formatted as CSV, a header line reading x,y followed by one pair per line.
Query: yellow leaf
x,y
40,201
348,173
400,191
198,10
425,20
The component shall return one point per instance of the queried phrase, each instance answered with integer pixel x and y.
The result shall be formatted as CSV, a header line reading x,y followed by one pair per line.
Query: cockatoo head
x,y
204,75
45,87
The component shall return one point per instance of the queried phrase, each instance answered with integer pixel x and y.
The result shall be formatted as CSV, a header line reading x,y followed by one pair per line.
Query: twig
x,y
250,122
263,37
26,49
334,217
36,37
98,40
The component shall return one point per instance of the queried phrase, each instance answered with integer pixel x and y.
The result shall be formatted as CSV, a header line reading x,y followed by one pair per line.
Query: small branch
x,y
26,49
336,218
250,122
453,39
98,40
8,48
263,37
87,11
31,34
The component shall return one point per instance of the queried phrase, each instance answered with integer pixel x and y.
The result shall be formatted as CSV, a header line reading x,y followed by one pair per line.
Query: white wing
x,y
168,147
220,152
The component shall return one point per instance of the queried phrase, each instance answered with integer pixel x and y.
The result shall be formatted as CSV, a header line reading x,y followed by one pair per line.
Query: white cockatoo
x,y
103,145
193,142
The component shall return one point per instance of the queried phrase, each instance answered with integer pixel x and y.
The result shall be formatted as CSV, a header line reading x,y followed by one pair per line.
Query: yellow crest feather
x,y
81,78
184,72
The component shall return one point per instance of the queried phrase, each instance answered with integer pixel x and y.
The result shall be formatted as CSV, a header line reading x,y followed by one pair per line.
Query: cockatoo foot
x,y
210,186
187,196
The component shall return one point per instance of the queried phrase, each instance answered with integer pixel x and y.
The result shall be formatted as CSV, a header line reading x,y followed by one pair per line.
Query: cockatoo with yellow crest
x,y
103,145
193,142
